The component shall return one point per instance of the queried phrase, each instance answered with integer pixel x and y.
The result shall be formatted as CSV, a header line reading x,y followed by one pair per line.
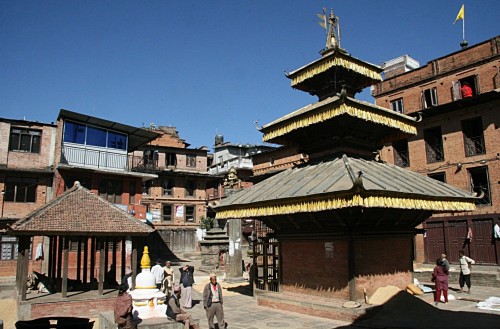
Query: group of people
x,y
440,276
165,278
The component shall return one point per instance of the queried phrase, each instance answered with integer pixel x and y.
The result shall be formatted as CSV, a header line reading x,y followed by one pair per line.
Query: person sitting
x,y
176,313
123,309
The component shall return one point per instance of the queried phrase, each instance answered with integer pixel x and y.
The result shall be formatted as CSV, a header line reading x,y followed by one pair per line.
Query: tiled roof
x,y
80,212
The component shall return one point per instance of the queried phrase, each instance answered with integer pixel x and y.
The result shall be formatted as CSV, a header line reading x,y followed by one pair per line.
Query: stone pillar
x,y
235,258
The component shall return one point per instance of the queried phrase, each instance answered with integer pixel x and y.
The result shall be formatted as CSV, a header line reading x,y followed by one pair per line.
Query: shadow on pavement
x,y
406,311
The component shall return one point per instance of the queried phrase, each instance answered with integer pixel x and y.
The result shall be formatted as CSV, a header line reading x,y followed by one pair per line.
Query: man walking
x,y
464,278
212,302
157,271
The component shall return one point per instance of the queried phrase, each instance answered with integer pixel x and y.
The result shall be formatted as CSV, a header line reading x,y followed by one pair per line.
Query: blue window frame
x,y
96,136
74,132
117,140
88,135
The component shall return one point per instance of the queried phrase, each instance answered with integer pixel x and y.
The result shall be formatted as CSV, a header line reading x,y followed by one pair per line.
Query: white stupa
x,y
148,301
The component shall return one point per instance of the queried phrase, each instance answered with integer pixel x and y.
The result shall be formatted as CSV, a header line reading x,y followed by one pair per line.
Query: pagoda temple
x,y
343,222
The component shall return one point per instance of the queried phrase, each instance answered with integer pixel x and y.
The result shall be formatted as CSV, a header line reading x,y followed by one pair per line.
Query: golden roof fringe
x,y
354,201
309,73
331,113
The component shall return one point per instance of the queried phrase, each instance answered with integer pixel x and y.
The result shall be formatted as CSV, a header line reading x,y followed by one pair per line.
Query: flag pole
x,y
463,28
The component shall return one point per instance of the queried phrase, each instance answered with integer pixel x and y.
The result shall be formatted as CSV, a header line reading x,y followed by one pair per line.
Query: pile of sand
x,y
383,294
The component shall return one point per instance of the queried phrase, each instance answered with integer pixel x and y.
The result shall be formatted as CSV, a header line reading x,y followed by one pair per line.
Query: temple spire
x,y
332,26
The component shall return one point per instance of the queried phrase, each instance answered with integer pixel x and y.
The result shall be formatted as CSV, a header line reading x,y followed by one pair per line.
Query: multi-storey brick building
x,y
177,198
148,172
26,174
457,143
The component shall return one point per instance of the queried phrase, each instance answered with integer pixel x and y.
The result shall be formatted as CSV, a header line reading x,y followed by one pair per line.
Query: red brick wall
x,y
480,60
308,269
89,308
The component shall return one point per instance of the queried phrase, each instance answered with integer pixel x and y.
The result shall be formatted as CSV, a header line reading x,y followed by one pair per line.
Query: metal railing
x,y
434,153
474,146
104,159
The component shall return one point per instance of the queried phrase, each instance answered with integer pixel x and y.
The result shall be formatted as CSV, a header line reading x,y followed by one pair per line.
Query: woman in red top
x,y
466,90
440,277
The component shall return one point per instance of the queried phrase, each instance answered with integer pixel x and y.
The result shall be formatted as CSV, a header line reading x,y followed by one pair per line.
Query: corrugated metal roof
x,y
344,176
78,211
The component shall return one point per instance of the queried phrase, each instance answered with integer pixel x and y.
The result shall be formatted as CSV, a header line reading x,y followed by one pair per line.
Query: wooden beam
x,y
23,259
315,221
351,270
64,283
133,261
102,268
85,259
293,222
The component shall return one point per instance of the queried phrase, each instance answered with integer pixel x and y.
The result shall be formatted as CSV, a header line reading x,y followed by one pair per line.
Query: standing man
x,y
176,313
446,263
157,271
212,302
187,281
464,278
168,279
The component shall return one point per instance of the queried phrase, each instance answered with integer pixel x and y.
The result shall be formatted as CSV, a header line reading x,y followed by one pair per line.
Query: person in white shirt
x,y
464,278
157,271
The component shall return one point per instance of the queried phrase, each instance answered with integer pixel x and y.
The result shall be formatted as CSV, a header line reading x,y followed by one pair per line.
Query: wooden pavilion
x,y
97,230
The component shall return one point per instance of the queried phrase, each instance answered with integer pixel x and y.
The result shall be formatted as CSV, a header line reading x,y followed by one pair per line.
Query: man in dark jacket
x,y
187,281
212,302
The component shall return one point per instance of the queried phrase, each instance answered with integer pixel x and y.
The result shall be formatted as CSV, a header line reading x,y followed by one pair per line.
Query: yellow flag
x,y
322,23
460,15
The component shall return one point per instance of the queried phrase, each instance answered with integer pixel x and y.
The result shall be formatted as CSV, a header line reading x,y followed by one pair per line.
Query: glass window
x,y
170,159
167,185
397,105
191,160
25,140
96,136
20,189
190,187
167,213
434,145
111,190
473,137
480,183
117,140
190,213
74,132
401,153
429,98
440,176
8,247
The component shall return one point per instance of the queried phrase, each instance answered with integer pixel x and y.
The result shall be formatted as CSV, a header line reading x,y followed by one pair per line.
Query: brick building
x,y
26,174
177,198
456,143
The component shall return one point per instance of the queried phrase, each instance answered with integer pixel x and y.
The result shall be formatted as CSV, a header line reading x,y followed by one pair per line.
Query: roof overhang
x,y
136,136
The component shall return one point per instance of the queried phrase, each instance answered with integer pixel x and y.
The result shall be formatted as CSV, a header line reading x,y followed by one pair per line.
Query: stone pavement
x,y
242,311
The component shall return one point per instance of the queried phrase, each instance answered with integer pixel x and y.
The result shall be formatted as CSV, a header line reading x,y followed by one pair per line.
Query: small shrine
x,y
343,222
148,302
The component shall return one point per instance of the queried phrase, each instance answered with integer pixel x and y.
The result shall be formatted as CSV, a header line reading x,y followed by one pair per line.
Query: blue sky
x,y
205,67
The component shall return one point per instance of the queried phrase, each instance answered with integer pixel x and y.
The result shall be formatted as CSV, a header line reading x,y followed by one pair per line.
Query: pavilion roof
x,y
79,212
344,182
